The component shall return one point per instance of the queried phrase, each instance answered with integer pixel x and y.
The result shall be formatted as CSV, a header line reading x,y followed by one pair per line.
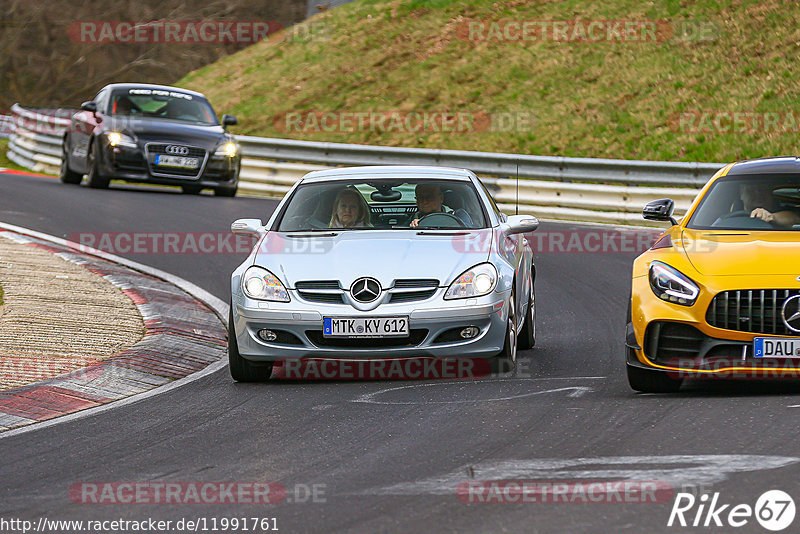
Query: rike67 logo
x,y
774,510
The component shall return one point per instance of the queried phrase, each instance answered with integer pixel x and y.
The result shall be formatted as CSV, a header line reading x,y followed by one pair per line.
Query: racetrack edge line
x,y
215,304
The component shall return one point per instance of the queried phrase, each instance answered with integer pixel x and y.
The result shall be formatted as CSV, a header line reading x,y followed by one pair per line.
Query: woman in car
x,y
349,210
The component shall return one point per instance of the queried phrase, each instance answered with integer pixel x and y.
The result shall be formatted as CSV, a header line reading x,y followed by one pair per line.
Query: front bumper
x,y
432,323
678,339
134,165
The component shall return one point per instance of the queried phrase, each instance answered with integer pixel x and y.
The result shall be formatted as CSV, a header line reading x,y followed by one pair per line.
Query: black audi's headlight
x,y
120,139
260,284
671,285
228,149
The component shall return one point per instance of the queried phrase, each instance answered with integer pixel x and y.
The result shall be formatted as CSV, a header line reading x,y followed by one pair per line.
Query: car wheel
x,y
67,175
527,336
191,189
241,369
505,361
225,191
652,381
94,177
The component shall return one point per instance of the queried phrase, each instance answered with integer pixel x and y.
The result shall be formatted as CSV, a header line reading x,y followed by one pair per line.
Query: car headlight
x,y
120,139
671,285
260,284
475,282
228,149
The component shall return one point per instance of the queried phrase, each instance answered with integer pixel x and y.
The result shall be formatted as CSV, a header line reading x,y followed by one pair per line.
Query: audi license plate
x,y
365,327
776,347
177,161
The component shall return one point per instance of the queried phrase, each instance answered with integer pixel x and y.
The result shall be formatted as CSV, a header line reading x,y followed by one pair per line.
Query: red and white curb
x,y
185,338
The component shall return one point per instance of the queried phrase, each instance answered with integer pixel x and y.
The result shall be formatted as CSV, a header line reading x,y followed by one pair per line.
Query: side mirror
x,y
252,227
660,210
90,106
229,120
521,224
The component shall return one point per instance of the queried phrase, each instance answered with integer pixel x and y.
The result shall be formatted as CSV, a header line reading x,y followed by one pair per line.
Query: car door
x,y
83,126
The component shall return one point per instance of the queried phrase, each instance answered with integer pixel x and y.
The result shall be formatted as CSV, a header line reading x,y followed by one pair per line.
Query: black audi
x,y
154,134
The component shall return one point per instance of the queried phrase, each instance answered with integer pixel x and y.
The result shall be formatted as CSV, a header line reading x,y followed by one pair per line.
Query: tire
x,y
191,189
225,191
95,179
67,175
243,370
527,336
506,359
652,381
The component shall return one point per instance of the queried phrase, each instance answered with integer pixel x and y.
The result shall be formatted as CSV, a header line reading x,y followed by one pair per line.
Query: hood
x,y
732,252
385,255
156,130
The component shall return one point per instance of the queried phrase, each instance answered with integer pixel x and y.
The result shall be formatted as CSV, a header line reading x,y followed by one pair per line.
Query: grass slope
x,y
617,100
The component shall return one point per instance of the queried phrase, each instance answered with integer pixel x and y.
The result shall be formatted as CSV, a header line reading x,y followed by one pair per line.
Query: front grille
x,y
414,283
317,284
426,287
154,149
750,310
161,148
665,341
325,291
411,296
416,336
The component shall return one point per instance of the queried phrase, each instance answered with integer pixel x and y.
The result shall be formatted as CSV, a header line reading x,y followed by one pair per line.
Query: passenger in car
x,y
349,210
122,106
760,203
430,199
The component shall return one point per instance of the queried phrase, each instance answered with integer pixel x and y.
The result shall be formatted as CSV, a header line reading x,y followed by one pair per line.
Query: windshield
x,y
381,204
161,104
750,202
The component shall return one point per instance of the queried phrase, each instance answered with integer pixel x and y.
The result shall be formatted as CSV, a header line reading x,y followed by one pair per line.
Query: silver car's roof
x,y
390,171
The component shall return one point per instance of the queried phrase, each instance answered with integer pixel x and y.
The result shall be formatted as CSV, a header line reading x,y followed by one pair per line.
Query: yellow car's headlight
x,y
671,285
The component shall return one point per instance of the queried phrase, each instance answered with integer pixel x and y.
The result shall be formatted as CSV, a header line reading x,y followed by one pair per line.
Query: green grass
x,y
4,161
616,100
1,295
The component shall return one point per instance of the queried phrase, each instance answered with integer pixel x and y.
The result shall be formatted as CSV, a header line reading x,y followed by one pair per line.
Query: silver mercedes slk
x,y
383,263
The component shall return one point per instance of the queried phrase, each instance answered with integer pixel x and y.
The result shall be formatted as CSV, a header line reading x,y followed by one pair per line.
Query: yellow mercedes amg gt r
x,y
718,294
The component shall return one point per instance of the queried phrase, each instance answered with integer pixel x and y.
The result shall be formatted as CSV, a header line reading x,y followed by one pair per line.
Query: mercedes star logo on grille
x,y
365,289
177,150
791,313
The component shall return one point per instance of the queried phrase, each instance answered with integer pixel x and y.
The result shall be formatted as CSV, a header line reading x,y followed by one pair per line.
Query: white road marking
x,y
370,398
676,470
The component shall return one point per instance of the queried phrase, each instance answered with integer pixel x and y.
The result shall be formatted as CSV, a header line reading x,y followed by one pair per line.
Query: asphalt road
x,y
386,456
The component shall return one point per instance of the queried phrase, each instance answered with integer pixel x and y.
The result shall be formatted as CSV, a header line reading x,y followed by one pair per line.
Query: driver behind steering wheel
x,y
759,202
429,198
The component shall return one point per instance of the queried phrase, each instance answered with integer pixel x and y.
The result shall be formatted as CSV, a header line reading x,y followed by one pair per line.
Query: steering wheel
x,y
750,223
731,215
440,220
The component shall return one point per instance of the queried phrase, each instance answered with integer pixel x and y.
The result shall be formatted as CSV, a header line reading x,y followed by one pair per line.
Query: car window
x,y
162,104
383,204
101,99
496,210
750,202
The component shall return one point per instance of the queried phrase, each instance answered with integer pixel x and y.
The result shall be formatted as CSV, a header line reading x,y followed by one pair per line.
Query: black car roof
x,y
113,86
779,165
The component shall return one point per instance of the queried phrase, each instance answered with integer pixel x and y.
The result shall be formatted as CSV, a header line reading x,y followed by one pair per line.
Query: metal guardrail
x,y
577,189
6,126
